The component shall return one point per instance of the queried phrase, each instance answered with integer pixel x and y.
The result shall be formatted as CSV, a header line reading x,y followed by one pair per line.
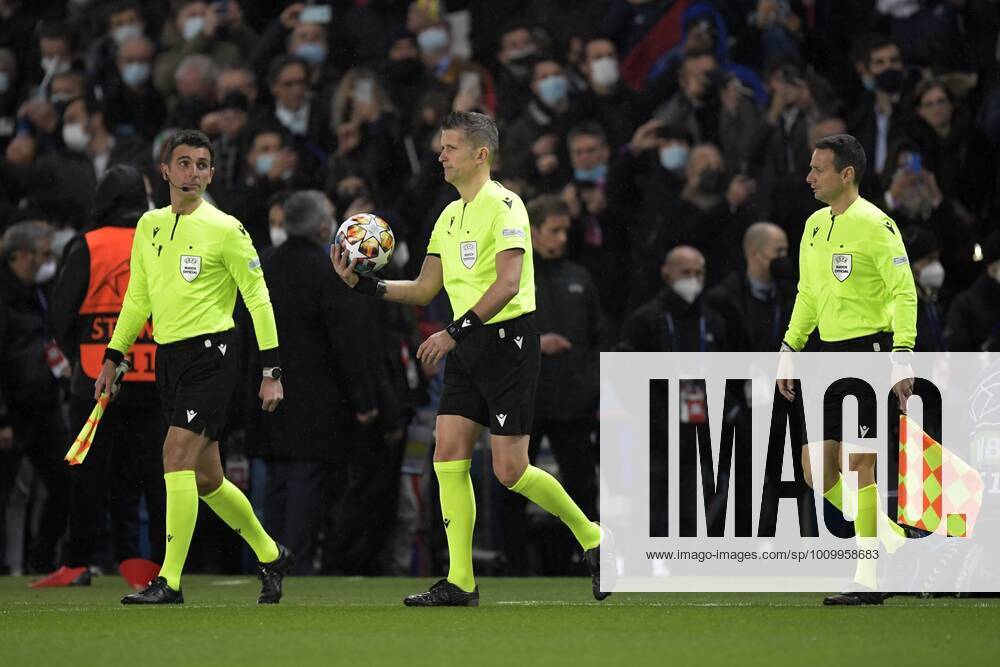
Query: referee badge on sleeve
x,y
842,266
190,267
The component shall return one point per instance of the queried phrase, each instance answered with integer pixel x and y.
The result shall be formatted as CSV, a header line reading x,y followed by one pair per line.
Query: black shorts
x,y
833,401
196,378
491,376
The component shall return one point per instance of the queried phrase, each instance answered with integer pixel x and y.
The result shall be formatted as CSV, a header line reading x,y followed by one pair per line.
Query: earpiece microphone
x,y
182,188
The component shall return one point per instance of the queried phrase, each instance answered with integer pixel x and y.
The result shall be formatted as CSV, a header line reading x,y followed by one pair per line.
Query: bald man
x,y
756,302
676,320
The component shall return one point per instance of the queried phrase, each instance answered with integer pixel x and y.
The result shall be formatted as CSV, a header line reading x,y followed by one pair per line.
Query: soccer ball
x,y
368,239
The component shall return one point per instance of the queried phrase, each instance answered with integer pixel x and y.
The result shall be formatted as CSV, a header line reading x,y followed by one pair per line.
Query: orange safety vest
x,y
110,251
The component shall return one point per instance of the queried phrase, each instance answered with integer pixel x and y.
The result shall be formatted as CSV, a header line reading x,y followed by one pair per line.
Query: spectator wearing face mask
x,y
86,134
131,104
215,30
606,99
757,303
974,317
883,114
517,51
55,48
271,164
123,21
534,146
459,75
711,214
677,319
713,105
924,251
31,417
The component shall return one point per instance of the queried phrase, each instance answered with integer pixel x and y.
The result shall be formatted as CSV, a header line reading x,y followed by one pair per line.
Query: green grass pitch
x,y
324,621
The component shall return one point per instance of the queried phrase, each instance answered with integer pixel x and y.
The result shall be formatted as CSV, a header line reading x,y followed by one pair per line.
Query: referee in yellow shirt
x,y
480,252
856,286
188,259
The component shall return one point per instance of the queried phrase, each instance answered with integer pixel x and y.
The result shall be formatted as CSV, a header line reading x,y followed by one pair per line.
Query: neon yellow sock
x,y
233,507
866,521
458,508
182,514
545,491
835,494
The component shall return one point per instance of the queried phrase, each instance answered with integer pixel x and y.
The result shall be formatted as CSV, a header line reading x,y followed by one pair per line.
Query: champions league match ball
x,y
368,239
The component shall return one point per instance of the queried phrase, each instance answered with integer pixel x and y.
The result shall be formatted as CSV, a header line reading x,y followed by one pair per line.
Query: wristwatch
x,y
274,372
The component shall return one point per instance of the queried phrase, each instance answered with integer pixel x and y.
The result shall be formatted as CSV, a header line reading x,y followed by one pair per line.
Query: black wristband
x,y
370,287
464,325
270,358
113,355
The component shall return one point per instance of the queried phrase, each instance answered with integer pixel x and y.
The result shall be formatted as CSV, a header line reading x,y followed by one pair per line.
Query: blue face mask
x,y
433,40
262,165
135,74
312,52
553,89
593,175
673,157
4,82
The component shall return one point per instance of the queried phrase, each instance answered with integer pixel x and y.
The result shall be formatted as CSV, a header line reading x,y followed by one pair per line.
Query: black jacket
x,y
567,303
752,325
974,318
26,382
648,328
326,357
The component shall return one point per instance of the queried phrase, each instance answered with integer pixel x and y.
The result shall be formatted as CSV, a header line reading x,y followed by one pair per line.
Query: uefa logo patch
x,y
842,266
190,267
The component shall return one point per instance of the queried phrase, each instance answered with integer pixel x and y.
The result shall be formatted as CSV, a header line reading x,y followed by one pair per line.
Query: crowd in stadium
x,y
661,147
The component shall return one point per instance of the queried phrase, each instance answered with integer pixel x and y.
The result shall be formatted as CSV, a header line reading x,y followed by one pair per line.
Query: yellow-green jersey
x,y
854,279
467,237
185,270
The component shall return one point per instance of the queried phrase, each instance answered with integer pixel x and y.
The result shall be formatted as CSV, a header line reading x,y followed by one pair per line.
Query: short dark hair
x,y
542,206
877,43
479,130
193,138
280,62
587,129
847,152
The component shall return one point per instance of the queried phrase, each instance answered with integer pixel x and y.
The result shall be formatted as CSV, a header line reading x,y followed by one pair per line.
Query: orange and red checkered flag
x,y
78,450
950,494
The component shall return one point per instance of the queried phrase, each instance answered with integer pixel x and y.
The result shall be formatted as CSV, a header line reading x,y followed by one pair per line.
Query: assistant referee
x,y
480,252
856,286
188,259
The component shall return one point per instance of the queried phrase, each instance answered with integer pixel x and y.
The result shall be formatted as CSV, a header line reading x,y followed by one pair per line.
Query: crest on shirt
x,y
843,264
469,252
190,267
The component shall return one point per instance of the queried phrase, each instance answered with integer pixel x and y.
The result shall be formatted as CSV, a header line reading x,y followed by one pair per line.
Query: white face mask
x,y
54,65
604,71
45,272
278,236
125,32
75,137
931,277
688,288
192,27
